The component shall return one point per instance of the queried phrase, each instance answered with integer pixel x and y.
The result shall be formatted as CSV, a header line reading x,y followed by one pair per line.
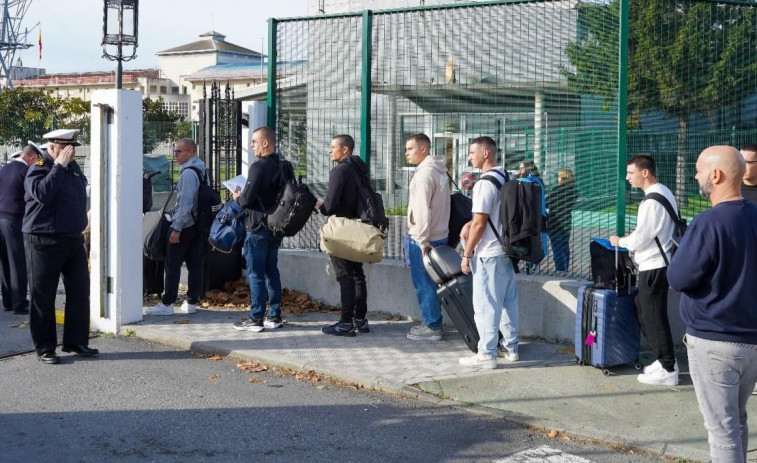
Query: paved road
x,y
143,402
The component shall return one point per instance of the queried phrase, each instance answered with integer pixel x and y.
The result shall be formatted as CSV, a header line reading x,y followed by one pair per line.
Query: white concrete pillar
x,y
116,209
538,126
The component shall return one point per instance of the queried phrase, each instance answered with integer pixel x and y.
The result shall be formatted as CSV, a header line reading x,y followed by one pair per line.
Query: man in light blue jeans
x,y
713,269
495,296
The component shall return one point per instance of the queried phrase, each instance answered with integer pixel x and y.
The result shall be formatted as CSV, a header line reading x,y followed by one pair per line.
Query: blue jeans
x,y
494,289
261,251
425,288
724,374
560,242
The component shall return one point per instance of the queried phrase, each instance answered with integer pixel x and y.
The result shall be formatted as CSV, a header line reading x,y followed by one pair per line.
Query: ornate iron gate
x,y
219,138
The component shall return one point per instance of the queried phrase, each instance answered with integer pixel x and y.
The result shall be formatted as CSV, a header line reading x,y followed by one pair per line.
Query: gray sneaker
x,y
424,333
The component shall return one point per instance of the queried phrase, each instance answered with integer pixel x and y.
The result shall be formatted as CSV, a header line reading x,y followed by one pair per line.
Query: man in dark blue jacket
x,y
55,217
341,200
714,270
265,179
12,255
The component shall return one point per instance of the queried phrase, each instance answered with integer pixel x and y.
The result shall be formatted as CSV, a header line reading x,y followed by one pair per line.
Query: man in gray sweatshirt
x,y
427,222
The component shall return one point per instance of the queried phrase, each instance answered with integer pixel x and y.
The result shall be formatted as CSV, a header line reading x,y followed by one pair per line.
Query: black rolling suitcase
x,y
456,297
455,291
153,273
218,268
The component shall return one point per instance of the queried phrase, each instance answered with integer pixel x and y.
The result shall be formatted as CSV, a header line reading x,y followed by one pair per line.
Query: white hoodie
x,y
428,209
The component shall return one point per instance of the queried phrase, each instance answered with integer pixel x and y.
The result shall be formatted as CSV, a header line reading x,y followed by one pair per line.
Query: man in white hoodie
x,y
427,222
653,233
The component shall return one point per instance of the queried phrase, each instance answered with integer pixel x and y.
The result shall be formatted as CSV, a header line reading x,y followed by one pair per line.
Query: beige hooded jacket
x,y
428,210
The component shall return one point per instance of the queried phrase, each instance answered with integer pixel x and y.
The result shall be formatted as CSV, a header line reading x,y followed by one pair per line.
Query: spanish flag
x,y
39,41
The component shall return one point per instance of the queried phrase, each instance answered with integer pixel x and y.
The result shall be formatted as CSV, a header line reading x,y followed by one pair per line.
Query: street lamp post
x,y
120,19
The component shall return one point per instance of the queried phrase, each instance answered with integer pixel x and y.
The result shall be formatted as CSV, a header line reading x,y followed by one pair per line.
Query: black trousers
x,y
351,280
189,249
652,311
14,282
47,258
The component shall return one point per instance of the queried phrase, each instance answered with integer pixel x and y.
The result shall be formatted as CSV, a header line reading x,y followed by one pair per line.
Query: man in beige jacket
x,y
428,222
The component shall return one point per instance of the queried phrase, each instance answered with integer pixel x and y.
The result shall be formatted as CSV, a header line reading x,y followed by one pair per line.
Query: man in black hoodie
x,y
341,200
261,247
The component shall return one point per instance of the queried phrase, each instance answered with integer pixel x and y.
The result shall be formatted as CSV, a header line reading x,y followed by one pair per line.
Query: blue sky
x,y
71,36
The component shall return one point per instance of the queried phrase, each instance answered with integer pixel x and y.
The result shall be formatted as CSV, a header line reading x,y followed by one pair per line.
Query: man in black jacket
x,y
261,247
12,256
341,200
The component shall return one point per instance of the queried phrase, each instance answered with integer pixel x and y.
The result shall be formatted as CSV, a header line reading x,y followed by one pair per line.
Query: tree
x,y
25,114
685,58
160,125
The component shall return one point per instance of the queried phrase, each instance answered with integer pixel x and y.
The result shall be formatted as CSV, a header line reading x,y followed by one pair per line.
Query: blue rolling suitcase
x,y
607,331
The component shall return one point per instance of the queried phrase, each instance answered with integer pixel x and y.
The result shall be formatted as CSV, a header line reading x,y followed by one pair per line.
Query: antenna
x,y
11,38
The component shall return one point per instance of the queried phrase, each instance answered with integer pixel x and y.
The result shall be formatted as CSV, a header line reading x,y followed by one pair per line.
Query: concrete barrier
x,y
547,305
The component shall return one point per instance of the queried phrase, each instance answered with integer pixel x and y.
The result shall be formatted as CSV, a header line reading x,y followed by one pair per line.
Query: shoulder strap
x,y
201,177
675,217
362,178
493,179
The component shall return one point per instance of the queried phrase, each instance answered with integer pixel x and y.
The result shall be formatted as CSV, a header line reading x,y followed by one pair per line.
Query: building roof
x,y
79,78
210,42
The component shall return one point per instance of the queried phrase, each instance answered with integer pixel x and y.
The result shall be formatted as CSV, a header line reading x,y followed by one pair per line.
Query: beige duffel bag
x,y
352,239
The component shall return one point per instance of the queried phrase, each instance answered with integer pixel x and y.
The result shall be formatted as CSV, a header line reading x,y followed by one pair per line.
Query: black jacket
x,y
265,178
560,203
56,199
12,177
344,179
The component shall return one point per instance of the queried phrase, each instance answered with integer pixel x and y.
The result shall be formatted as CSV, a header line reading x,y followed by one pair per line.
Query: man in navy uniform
x,y
56,215
12,255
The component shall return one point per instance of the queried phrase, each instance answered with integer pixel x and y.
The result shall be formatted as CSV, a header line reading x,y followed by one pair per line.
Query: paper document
x,y
235,184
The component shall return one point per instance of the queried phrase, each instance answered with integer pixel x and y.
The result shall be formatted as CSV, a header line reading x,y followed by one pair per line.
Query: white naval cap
x,y
63,137
17,154
37,148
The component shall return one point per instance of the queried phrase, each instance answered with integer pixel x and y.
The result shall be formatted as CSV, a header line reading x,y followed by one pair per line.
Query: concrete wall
x,y
547,305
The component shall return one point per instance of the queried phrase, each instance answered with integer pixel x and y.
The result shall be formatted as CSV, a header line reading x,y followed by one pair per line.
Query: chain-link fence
x,y
548,80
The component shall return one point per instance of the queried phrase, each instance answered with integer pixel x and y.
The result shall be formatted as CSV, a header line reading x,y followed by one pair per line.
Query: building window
x,y
162,89
174,90
179,107
153,89
184,90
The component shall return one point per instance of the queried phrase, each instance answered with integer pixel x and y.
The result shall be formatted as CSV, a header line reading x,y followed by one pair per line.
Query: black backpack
x,y
208,203
460,213
370,205
295,204
679,224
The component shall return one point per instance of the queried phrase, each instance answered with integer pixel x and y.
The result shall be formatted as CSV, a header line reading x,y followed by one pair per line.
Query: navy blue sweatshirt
x,y
714,269
12,190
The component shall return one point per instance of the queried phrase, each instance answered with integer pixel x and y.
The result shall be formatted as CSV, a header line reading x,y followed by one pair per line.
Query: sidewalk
x,y
545,390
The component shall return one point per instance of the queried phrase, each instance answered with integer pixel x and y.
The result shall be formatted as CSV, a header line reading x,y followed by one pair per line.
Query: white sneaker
x,y
186,307
511,355
659,377
479,361
159,309
656,365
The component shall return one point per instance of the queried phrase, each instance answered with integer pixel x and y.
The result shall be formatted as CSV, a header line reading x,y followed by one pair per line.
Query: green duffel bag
x,y
352,239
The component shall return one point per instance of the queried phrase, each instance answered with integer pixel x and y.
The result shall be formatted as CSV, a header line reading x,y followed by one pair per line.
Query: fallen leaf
x,y
321,387
213,377
553,433
394,318
20,325
182,322
255,380
215,357
252,367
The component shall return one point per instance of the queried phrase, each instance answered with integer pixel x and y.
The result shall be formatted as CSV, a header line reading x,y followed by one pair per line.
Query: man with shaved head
x,y
713,269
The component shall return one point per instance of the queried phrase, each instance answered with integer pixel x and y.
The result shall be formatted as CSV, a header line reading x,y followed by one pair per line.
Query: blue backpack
x,y
523,216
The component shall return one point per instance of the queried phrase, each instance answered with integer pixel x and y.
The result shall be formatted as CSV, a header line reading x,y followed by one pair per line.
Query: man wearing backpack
x,y
342,200
495,294
428,225
265,178
186,239
652,245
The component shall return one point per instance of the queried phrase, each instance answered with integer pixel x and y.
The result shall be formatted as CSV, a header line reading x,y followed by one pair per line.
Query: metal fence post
x,y
365,89
620,218
271,97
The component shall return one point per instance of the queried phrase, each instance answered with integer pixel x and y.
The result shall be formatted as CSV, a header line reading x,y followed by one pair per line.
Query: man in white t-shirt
x,y
653,233
494,286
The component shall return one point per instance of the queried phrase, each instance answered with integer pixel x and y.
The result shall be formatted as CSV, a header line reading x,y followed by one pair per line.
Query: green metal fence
x,y
565,84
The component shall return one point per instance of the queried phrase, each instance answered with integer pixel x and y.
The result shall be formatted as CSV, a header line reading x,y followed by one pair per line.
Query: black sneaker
x,y
248,324
339,329
273,323
362,325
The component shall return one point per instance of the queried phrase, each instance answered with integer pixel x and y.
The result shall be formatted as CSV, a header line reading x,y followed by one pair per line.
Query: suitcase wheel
x,y
638,365
606,372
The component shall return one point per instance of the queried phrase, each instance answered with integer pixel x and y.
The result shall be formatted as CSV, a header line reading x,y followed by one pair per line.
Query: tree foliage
x,y
160,125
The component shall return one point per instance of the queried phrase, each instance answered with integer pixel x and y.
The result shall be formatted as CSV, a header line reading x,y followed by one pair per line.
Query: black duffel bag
x,y
611,267
155,230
